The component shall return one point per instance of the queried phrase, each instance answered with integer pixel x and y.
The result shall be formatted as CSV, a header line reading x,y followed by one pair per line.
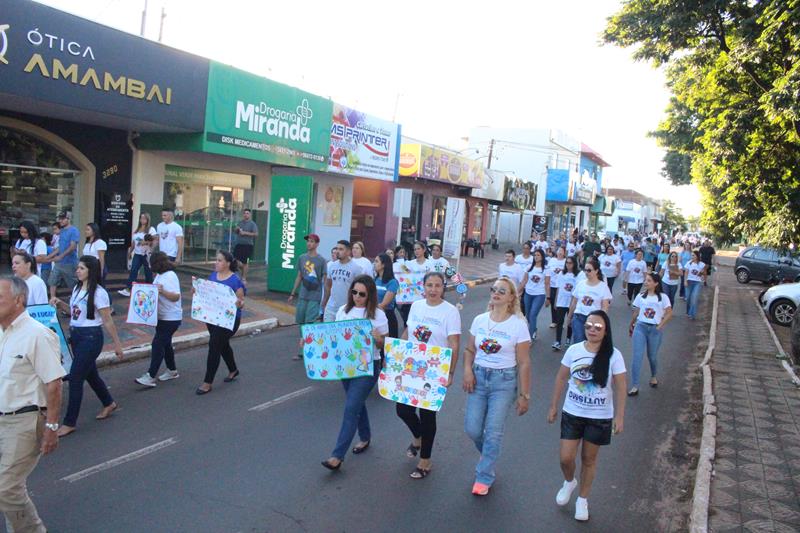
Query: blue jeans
x,y
578,333
692,295
645,337
162,346
355,411
86,346
533,304
671,292
485,419
140,261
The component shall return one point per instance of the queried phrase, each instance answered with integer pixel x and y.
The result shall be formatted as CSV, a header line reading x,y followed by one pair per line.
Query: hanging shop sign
x,y
520,194
453,227
429,162
582,188
363,146
493,186
289,222
410,155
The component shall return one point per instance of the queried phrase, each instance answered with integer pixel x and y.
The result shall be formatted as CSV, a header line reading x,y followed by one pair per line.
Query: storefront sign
x,y
256,118
176,174
410,155
115,218
440,165
453,227
582,188
493,186
289,222
520,194
50,56
363,146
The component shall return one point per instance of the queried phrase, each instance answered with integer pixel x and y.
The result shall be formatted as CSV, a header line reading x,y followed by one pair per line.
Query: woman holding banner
x,y
362,302
496,365
435,322
219,340
23,266
419,265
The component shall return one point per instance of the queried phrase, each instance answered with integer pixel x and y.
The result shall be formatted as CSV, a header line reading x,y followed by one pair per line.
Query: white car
x,y
780,302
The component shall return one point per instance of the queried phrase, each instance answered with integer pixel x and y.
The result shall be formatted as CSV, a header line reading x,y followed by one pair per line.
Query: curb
x,y
142,351
784,359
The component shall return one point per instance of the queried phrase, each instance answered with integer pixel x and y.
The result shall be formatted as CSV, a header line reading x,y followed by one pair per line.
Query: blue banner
x,y
46,314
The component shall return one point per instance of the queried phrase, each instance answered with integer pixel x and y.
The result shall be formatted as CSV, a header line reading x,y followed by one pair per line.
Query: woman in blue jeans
x,y
537,289
140,248
89,310
496,365
362,302
590,294
695,273
652,310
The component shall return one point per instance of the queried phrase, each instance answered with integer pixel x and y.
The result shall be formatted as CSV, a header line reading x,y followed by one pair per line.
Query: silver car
x,y
780,302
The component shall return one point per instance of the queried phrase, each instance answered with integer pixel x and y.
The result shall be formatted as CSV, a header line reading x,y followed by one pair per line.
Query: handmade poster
x,y
213,303
143,306
334,351
415,373
46,314
411,287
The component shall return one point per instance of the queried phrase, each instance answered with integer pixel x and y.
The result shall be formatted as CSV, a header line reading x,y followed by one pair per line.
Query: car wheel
x,y
782,312
742,276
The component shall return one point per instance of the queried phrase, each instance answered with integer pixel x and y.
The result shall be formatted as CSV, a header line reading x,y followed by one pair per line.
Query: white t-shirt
x,y
564,296
636,271
514,272
584,397
524,262
413,266
496,342
397,266
535,285
39,248
665,276
694,271
379,322
438,265
168,237
618,247
542,245
167,309
556,267
366,266
651,309
139,244
571,247
433,324
590,297
608,264
94,248
77,304
37,290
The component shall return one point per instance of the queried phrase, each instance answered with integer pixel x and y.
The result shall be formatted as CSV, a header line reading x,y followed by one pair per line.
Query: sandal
x,y
330,466
654,383
106,411
420,473
412,451
633,392
361,449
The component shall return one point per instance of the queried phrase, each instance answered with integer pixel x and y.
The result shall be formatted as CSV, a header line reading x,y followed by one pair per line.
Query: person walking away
x,y
611,266
170,236
537,290
362,302
23,265
360,258
65,261
525,260
30,400
512,270
89,310
594,407
564,299
695,273
650,253
219,338
589,295
387,287
340,276
497,372
707,254
310,280
246,233
635,274
437,262
139,252
419,265
556,266
435,322
652,310
671,273
170,313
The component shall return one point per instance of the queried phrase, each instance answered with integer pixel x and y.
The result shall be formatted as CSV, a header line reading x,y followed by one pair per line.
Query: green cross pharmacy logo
x,y
3,43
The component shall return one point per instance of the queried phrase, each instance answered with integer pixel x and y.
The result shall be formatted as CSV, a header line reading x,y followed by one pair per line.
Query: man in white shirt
x,y
542,243
170,236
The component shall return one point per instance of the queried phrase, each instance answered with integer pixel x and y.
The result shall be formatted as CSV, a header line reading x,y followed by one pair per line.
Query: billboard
x,y
289,222
363,146
437,164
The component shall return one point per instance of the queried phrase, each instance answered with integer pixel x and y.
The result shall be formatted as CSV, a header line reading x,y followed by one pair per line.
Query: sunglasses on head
x,y
358,293
593,326
498,290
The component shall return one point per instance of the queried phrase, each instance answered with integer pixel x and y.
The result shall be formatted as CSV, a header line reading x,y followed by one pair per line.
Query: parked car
x,y
780,302
767,265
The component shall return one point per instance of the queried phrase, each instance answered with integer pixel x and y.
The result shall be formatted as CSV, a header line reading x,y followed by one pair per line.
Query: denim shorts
x,y
594,430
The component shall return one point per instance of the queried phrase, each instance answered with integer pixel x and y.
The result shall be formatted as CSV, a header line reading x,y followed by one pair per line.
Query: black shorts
x,y
594,430
243,252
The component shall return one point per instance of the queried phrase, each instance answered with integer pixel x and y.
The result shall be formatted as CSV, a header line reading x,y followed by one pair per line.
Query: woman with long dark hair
x,y
31,243
89,310
387,287
635,272
556,266
418,265
594,406
695,273
140,249
652,311
671,273
362,302
590,294
611,266
96,247
219,338
564,299
537,290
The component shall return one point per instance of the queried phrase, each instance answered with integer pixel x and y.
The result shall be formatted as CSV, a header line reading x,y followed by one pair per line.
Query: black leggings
x,y
561,314
404,310
610,282
219,345
422,426
633,290
391,317
553,312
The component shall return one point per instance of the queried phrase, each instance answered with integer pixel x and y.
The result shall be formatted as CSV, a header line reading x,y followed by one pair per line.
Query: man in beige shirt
x,y
30,403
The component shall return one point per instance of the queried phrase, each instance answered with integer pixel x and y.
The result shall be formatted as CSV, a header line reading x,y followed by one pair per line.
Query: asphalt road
x,y
217,466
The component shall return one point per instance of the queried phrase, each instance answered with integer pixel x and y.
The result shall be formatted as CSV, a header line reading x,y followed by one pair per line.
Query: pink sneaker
x,y
479,489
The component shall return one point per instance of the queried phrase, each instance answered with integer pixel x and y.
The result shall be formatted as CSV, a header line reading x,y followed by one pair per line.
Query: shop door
x,y
410,230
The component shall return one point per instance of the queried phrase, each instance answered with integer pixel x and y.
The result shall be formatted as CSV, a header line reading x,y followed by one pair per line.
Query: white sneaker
x,y
533,337
556,345
146,380
568,343
563,496
124,292
168,375
581,509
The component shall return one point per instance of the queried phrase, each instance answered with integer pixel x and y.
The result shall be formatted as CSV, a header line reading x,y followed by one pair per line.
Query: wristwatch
x,y
525,395
52,427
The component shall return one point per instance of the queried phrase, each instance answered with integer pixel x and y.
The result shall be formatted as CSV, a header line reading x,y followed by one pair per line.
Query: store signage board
x,y
432,163
453,227
176,174
363,146
289,222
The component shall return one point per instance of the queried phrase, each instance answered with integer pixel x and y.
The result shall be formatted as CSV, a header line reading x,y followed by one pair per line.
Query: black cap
x,y
62,214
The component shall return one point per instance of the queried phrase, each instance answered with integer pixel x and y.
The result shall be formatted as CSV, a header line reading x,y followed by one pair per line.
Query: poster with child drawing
x,y
333,351
213,303
143,306
415,373
411,287
46,315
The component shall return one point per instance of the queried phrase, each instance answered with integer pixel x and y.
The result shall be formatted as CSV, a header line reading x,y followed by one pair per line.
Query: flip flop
x,y
412,451
420,473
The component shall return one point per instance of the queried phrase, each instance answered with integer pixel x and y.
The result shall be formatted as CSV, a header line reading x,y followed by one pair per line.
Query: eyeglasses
x,y
358,293
593,326
498,290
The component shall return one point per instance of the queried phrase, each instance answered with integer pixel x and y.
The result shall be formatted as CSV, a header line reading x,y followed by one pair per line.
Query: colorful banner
x,y
289,222
46,315
410,157
520,194
213,303
415,373
143,305
429,162
411,287
363,146
335,351
453,227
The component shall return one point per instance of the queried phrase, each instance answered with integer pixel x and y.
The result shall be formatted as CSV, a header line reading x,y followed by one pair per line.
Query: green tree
x,y
673,218
733,122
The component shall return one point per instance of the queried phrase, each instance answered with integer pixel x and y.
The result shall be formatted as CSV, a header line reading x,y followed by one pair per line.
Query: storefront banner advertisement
x,y
429,162
289,222
582,188
363,146
453,227
410,156
256,118
493,186
520,194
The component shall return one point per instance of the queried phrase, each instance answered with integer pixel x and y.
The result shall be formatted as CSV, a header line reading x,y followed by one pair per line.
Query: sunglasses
x,y
588,270
593,326
498,290
358,293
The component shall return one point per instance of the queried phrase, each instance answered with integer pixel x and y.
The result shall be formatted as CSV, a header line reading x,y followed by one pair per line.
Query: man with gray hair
x,y
30,402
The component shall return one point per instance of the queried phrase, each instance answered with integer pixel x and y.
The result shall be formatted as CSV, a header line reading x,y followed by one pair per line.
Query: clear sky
x,y
439,68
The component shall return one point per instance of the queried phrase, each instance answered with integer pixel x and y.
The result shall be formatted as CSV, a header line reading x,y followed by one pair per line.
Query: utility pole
x,y
161,26
144,18
491,149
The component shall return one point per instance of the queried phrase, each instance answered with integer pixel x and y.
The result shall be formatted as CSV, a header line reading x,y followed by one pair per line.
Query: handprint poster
x,y
46,315
213,303
334,351
143,306
415,373
411,287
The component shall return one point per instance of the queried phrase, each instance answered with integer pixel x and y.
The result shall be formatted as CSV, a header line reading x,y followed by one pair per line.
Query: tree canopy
x,y
733,122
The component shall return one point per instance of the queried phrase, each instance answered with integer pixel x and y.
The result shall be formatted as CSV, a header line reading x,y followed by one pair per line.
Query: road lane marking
x,y
280,399
77,476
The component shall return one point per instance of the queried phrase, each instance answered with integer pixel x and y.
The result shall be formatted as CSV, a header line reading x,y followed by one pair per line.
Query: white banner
x,y
214,303
362,145
453,227
143,305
